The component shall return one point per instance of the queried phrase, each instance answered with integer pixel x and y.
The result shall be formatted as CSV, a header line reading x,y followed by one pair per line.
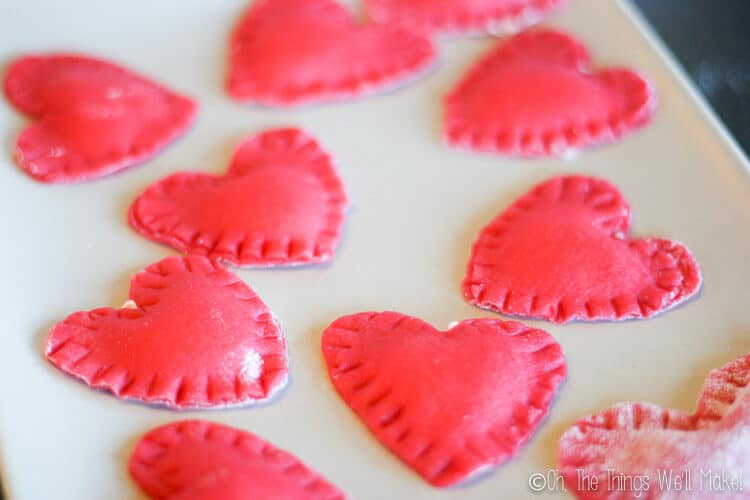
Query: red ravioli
x,y
533,96
93,118
562,252
194,336
280,203
633,444
198,460
290,52
449,404
462,16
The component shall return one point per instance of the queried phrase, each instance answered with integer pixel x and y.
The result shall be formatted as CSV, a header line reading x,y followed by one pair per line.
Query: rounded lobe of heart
x,y
462,16
557,94
449,404
281,203
534,97
328,57
94,118
199,337
645,440
562,252
198,460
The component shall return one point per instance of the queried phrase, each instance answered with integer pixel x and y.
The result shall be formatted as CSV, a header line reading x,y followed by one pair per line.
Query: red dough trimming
x,y
198,460
280,203
291,52
562,252
462,16
632,444
91,117
193,335
533,96
449,404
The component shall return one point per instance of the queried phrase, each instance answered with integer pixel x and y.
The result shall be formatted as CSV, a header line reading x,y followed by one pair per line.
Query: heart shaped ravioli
x,y
92,118
289,52
192,335
198,460
639,450
462,16
533,96
449,404
562,252
280,203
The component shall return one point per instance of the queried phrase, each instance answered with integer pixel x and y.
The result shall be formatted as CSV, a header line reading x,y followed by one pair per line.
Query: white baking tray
x,y
417,207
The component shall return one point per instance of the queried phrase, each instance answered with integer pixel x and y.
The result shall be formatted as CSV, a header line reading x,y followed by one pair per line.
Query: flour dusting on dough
x,y
251,366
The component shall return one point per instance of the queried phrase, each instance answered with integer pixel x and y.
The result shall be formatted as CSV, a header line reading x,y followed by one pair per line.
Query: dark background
x,y
711,38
